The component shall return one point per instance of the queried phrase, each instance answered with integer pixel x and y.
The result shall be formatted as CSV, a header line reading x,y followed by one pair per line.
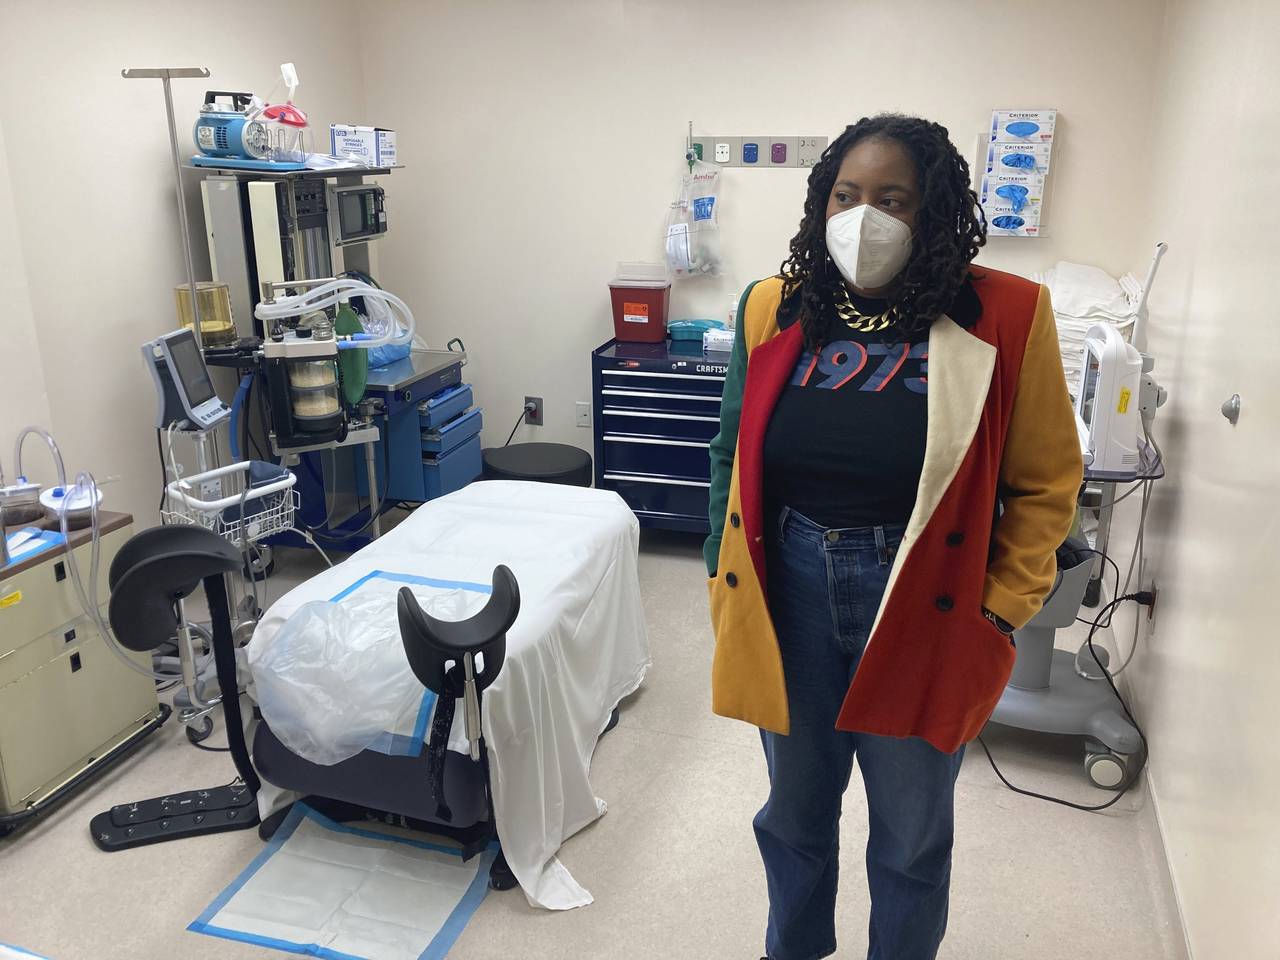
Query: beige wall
x,y
543,144
23,399
1206,676
94,222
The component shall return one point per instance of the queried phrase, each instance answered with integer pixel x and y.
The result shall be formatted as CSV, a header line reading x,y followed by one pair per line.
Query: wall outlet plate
x,y
533,417
726,151
782,151
583,411
755,151
809,150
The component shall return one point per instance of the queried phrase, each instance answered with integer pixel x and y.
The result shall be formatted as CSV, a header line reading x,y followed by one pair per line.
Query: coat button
x,y
735,521
955,538
944,603
731,579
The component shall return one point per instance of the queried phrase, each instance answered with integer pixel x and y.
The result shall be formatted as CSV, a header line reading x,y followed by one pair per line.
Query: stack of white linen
x,y
1082,296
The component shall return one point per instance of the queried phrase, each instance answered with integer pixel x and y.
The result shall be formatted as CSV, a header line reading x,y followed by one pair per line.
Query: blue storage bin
x,y
435,412
455,432
453,470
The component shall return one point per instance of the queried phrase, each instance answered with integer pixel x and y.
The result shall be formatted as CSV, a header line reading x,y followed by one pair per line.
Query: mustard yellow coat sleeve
x,y
1040,474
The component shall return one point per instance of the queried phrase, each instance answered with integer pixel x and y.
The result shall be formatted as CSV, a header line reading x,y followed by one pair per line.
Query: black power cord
x,y
1145,598
164,474
527,409
1115,567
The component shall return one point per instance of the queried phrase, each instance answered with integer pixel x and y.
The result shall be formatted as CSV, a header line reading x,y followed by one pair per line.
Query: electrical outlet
x,y
1155,598
533,417
583,409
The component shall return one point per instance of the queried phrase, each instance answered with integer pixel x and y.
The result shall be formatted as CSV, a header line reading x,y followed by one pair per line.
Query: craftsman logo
x,y
711,368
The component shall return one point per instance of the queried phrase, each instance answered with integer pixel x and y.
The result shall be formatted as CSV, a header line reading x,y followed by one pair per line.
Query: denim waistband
x,y
796,525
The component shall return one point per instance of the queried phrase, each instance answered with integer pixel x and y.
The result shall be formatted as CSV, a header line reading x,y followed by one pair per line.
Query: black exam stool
x,y
542,462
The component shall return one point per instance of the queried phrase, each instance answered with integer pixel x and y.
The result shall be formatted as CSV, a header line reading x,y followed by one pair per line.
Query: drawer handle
x,y
713,378
657,443
706,398
628,478
641,414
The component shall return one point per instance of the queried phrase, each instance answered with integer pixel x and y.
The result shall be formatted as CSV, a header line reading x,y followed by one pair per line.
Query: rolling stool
x,y
542,462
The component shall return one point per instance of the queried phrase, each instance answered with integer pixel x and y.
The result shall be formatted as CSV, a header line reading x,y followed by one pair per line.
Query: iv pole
x,y
165,74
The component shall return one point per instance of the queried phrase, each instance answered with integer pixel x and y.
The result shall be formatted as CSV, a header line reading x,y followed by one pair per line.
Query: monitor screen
x,y
189,368
1089,390
351,213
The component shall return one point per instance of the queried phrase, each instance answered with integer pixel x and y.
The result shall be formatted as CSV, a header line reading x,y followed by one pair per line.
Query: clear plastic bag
x,y
693,226
334,677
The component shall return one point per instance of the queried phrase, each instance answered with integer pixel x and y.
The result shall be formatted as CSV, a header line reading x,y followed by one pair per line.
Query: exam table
x,y
576,649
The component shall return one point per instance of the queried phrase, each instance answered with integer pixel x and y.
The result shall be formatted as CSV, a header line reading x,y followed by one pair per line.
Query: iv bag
x,y
693,226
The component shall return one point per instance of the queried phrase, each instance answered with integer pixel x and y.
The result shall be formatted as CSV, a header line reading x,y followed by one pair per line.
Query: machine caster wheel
x,y
1107,771
262,563
500,875
200,729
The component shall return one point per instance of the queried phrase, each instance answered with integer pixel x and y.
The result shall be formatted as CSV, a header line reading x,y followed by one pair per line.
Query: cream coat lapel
x,y
960,367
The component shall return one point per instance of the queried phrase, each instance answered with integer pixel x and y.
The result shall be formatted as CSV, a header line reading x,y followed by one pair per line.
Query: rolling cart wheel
x,y
200,730
1107,771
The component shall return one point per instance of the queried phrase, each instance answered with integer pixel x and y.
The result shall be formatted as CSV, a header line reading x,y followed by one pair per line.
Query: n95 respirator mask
x,y
869,246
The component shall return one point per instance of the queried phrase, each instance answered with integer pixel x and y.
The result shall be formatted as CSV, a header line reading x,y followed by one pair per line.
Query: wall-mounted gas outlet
x,y
583,409
533,417
809,150
761,151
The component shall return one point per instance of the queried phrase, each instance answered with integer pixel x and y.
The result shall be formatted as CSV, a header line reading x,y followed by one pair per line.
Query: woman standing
x,y
883,397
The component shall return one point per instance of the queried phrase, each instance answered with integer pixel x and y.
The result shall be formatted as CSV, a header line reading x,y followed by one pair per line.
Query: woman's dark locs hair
x,y
949,230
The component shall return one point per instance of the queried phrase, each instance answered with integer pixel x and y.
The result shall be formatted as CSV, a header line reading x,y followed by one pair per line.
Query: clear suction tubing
x,y
84,490
338,291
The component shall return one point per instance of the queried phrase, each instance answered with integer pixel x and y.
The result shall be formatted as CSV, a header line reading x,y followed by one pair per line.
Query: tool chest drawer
x,y
656,410
671,426
454,433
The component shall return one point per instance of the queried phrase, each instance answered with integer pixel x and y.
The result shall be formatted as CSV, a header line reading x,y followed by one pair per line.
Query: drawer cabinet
x,y
656,410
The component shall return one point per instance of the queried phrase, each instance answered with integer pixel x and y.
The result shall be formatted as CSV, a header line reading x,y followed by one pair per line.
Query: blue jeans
x,y
824,589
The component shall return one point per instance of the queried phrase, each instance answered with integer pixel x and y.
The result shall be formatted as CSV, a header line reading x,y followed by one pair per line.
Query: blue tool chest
x,y
656,410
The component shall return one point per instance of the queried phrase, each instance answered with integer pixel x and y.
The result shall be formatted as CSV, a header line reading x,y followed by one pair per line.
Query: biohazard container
x,y
641,294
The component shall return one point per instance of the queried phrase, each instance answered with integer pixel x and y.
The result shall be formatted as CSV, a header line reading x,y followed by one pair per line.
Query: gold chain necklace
x,y
855,319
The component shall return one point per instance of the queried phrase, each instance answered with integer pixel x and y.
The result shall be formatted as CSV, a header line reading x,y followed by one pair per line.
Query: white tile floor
x,y
673,865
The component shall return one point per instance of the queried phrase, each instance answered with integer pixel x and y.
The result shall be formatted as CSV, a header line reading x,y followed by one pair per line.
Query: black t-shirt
x,y
845,445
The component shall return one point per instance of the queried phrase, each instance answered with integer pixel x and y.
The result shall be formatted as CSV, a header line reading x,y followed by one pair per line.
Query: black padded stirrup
x,y
435,650
151,572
